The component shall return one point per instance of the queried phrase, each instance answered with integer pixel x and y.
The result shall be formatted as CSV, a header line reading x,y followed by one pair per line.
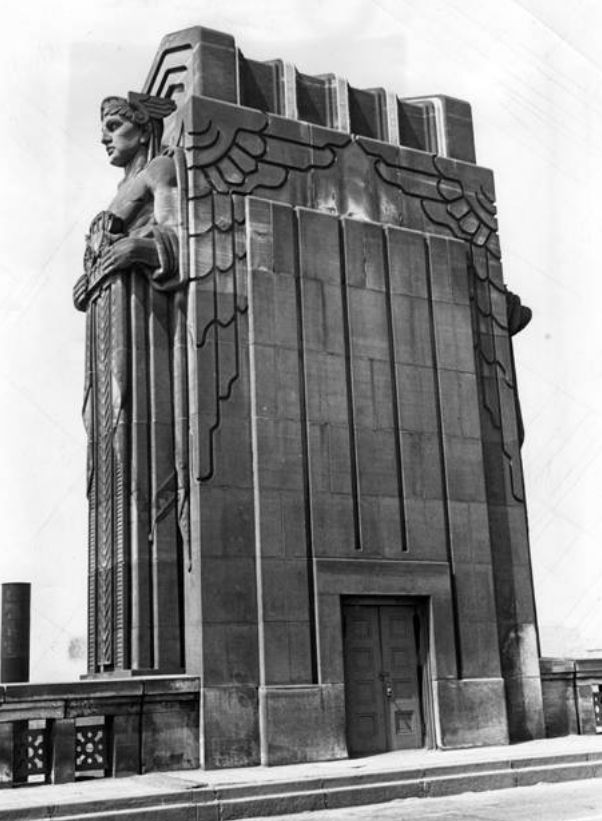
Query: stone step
x,y
142,798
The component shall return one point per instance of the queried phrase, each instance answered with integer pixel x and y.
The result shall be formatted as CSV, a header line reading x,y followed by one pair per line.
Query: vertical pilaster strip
x,y
312,569
20,746
194,637
163,524
341,98
141,608
434,112
7,743
440,129
452,119
182,489
289,87
121,453
180,377
392,117
355,479
443,460
395,392
261,641
62,745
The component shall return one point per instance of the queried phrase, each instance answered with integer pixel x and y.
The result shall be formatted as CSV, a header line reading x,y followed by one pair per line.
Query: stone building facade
x,y
353,570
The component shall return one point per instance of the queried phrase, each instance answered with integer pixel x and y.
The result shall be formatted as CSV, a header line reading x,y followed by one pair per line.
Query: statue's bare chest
x,y
133,203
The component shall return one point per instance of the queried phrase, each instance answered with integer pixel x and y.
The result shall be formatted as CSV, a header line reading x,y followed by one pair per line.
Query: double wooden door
x,y
382,677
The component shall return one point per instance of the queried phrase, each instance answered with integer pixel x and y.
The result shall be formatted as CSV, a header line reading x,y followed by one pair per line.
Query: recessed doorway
x,y
384,645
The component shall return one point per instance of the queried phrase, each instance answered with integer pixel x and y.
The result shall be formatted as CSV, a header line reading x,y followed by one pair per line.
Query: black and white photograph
x,y
301,410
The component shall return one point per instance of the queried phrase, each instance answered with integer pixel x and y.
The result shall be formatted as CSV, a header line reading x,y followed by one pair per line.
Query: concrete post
x,y
14,636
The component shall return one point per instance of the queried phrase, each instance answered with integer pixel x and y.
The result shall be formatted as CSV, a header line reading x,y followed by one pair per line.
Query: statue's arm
x,y
162,180
156,248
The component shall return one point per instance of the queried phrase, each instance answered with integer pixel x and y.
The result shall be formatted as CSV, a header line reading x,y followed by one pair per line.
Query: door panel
x,y
381,678
400,662
365,706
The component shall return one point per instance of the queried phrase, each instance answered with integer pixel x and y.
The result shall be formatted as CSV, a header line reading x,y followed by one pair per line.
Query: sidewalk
x,y
200,795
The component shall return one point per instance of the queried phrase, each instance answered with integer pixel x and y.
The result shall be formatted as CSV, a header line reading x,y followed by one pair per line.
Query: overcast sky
x,y
531,70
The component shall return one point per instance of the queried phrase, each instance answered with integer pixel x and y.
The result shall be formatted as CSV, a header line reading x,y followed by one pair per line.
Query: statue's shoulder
x,y
161,171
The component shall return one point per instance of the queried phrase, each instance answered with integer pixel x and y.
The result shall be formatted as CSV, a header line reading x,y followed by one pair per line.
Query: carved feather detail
x,y
156,107
230,159
223,160
469,215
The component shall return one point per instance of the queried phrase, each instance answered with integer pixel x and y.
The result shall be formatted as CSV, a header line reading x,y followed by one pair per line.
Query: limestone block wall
x,y
366,407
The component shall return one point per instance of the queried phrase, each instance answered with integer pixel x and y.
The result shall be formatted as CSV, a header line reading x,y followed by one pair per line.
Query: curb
x,y
230,803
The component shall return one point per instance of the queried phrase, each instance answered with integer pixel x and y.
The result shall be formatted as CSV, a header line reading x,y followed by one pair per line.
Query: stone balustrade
x,y
572,695
55,733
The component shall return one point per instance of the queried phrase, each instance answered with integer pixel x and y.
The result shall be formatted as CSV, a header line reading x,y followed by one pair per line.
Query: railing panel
x,y
31,752
91,747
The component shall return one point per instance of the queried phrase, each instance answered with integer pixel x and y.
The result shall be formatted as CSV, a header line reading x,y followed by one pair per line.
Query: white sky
x,y
531,70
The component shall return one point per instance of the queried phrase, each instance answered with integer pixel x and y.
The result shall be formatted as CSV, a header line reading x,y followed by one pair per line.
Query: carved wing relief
x,y
469,215
230,158
225,162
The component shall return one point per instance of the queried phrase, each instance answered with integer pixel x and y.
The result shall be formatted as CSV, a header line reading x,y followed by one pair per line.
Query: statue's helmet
x,y
145,111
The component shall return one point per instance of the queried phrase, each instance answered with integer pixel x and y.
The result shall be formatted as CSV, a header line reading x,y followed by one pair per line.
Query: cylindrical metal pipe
x,y
14,632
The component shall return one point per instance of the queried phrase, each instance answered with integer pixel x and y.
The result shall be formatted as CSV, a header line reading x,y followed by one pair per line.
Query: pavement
x,y
252,792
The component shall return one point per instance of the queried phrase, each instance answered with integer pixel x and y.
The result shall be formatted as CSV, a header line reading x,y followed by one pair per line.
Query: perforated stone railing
x,y
572,695
54,733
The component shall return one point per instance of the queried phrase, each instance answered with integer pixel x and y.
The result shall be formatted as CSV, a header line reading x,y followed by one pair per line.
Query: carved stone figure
x,y
127,290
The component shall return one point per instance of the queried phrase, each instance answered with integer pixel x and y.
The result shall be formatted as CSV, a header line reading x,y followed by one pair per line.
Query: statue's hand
x,y
127,252
80,290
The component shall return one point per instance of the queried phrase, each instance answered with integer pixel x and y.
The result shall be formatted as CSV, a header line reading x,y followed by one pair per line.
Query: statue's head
x,y
133,126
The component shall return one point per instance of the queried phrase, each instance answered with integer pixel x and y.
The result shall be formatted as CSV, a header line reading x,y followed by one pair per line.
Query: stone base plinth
x,y
229,726
302,723
472,712
242,726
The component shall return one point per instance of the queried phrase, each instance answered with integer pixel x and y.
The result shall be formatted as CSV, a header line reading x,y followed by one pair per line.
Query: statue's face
x,y
122,139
